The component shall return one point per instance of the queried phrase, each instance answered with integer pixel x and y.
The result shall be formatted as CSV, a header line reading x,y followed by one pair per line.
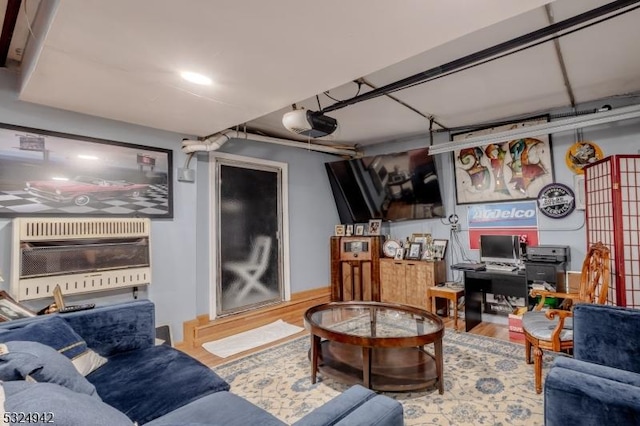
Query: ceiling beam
x,y
490,53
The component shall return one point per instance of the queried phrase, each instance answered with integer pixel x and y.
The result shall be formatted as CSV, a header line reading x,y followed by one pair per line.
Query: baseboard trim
x,y
202,329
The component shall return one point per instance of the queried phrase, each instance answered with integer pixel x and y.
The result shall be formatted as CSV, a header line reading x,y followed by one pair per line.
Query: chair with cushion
x,y
553,329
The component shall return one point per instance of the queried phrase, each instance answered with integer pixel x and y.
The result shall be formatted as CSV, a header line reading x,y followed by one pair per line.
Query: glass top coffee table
x,y
379,345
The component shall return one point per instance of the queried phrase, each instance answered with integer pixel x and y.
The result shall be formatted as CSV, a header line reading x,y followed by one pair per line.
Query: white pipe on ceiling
x,y
213,143
588,120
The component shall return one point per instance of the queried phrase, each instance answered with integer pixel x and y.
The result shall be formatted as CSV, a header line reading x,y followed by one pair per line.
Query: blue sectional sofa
x,y
102,367
600,385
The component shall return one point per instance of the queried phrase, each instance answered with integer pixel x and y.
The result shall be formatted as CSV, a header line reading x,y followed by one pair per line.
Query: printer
x,y
552,254
547,264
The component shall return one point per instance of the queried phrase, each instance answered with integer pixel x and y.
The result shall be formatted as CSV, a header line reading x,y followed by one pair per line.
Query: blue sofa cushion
x,y
112,329
622,376
55,404
21,359
230,410
338,408
148,383
575,398
606,335
53,331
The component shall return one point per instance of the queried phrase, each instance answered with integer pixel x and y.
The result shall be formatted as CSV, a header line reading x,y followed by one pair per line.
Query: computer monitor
x,y
500,249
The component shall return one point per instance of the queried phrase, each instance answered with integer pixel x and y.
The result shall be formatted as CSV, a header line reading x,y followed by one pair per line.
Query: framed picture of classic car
x,y
44,173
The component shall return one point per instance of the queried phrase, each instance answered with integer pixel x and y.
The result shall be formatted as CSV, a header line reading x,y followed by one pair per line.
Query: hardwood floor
x,y
294,314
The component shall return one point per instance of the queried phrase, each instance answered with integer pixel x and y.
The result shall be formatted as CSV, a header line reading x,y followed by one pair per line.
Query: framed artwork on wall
x,y
44,173
507,171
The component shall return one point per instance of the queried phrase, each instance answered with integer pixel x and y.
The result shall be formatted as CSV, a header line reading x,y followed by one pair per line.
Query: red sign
x,y
531,235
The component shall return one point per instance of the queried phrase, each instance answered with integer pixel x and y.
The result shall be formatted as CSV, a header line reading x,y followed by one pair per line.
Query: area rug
x,y
251,339
486,381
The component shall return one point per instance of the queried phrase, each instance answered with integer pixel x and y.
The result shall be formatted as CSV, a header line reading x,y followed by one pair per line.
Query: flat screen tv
x,y
500,249
391,187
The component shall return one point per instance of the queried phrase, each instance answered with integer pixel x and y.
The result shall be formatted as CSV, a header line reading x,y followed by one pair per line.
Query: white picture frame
x,y
399,254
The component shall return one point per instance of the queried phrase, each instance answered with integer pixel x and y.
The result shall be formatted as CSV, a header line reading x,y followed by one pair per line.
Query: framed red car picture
x,y
45,173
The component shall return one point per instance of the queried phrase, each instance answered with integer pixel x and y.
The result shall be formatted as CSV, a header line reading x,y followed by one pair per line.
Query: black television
x,y
391,187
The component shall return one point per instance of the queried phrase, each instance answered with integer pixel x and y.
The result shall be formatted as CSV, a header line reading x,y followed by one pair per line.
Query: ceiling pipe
x,y
214,142
485,54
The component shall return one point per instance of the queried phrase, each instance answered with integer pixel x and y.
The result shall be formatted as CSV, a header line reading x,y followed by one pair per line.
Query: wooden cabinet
x,y
355,273
406,281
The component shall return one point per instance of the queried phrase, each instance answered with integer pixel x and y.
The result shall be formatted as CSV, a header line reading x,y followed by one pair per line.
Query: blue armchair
x,y
600,385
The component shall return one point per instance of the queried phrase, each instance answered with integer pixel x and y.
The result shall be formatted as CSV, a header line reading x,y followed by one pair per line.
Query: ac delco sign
x,y
556,201
503,215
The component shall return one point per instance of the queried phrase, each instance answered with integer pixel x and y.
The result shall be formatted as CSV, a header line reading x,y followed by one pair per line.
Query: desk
x,y
478,283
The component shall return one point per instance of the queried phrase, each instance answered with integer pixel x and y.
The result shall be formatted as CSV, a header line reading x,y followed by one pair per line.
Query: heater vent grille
x,y
57,229
81,255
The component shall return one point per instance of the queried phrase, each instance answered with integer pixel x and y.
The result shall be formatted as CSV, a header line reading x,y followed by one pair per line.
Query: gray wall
x,y
180,246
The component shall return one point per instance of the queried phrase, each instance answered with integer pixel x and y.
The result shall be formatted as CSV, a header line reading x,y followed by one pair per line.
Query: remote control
x,y
74,308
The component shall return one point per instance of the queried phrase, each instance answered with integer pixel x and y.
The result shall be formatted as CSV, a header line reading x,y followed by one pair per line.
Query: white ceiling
x,y
121,59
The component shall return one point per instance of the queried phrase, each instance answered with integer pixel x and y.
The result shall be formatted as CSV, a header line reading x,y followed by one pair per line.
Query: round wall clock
x,y
390,247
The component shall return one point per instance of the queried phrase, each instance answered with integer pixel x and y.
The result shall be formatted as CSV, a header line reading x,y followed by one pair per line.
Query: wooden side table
x,y
448,293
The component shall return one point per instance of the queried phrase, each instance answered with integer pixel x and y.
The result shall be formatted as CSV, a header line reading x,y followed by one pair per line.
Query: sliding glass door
x,y
249,212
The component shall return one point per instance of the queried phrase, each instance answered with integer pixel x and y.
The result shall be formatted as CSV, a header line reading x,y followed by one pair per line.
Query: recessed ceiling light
x,y
196,78
87,157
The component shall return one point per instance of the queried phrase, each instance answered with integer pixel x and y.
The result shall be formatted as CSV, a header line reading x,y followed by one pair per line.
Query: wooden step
x,y
202,329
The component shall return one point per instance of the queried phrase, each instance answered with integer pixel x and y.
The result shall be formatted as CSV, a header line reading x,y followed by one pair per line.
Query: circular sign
x,y
582,153
556,200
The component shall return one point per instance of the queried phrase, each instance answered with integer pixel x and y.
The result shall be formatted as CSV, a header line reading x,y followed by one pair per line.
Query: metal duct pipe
x,y
214,142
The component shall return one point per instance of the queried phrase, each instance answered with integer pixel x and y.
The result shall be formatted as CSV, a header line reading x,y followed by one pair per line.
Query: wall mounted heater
x,y
81,255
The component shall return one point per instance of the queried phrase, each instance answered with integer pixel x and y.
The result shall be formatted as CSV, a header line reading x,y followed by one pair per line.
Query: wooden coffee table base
x,y
392,369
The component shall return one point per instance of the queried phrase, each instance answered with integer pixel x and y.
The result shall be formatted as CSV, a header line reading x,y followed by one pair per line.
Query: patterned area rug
x,y
486,382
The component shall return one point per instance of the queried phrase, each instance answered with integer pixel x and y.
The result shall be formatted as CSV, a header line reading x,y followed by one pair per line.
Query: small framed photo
x,y
349,230
359,229
340,230
12,310
421,238
439,249
399,254
374,226
427,255
415,249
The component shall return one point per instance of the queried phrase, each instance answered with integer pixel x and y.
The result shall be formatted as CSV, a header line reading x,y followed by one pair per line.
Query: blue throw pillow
x,y
54,404
20,360
53,331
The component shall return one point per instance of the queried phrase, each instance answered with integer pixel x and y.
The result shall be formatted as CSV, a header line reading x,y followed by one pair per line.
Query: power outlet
x,y
455,227
186,175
